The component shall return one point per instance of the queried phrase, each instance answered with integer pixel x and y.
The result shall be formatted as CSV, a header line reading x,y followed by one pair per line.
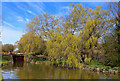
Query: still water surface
x,y
20,70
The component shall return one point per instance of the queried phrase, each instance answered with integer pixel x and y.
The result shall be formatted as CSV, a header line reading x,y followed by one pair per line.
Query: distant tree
x,y
30,42
7,48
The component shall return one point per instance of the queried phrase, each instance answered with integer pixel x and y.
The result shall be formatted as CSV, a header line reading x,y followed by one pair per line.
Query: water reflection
x,y
18,64
46,71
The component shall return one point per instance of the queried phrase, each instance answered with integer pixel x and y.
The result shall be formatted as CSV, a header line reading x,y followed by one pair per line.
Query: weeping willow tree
x,y
88,26
30,42
64,50
70,40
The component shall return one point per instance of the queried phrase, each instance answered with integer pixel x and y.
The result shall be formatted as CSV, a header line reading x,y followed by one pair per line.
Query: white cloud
x,y
9,24
37,7
31,12
20,7
20,19
10,36
27,19
24,9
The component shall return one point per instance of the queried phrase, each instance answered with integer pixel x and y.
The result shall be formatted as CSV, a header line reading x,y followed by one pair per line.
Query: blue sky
x,y
15,15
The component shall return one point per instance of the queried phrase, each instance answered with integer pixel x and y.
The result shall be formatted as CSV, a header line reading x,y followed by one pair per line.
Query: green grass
x,y
115,68
94,64
3,62
99,65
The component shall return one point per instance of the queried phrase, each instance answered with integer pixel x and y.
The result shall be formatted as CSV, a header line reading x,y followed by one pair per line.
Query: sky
x,y
15,15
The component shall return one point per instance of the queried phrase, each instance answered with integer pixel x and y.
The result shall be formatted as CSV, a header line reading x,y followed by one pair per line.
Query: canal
x,y
21,70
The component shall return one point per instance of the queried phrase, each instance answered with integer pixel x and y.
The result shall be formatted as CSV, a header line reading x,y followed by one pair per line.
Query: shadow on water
x,y
18,64
18,58
18,61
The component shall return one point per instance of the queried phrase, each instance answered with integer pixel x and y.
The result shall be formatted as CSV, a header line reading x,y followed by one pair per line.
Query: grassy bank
x,y
93,65
97,64
4,60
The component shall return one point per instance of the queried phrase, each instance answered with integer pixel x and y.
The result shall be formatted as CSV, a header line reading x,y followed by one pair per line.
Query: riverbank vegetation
x,y
5,59
84,36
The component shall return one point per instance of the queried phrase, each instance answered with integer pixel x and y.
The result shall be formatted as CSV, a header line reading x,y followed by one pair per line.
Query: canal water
x,y
21,70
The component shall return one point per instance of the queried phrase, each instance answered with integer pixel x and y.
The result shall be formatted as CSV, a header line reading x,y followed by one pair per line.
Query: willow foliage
x,y
69,38
29,42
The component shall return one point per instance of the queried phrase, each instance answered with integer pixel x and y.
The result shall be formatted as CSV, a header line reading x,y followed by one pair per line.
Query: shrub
x,y
107,68
115,68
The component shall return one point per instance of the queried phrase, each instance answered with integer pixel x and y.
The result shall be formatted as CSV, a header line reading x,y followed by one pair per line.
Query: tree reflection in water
x,y
23,70
18,64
